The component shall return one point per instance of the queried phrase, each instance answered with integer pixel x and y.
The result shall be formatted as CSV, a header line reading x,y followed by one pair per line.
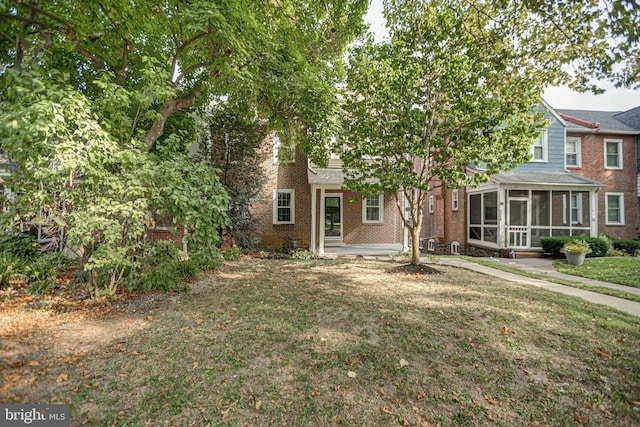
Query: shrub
x,y
207,257
303,255
10,268
627,245
231,253
553,245
21,246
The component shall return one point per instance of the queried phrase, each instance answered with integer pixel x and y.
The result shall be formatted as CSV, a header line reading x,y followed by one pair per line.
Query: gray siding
x,y
555,148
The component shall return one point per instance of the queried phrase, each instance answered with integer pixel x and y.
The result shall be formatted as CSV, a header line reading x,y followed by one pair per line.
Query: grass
x,y
574,284
621,270
347,343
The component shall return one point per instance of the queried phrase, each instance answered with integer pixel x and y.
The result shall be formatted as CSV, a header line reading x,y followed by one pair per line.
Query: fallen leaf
x,y
351,374
199,321
195,365
580,420
603,354
403,363
149,317
489,399
385,409
616,340
62,378
33,363
315,393
519,357
221,327
505,330
258,405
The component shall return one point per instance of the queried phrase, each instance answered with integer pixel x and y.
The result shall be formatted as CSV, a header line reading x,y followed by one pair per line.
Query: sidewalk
x,y
542,267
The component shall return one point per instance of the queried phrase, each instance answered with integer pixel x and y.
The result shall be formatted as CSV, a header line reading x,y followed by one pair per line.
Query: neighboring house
x,y
308,207
582,180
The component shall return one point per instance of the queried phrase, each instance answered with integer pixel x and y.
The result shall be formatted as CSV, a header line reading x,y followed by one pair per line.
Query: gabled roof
x,y
549,178
630,117
627,122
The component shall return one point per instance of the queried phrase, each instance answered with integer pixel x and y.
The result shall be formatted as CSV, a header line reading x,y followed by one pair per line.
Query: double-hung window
x,y
372,209
572,152
615,208
284,206
454,200
539,148
613,153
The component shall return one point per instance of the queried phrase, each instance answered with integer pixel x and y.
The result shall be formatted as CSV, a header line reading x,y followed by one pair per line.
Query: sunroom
x,y
516,210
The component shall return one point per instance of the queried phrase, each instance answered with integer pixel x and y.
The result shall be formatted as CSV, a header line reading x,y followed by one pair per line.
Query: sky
x,y
558,97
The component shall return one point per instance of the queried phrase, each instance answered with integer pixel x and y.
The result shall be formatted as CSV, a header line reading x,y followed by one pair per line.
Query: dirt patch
x,y
413,269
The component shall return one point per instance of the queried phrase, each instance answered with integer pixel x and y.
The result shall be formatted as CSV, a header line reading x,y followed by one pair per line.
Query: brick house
x,y
307,207
582,180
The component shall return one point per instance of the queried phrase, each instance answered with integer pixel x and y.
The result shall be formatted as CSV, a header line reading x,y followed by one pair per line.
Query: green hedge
x,y
627,245
553,245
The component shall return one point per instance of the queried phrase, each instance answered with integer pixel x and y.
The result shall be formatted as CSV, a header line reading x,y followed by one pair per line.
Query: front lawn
x,y
331,342
620,270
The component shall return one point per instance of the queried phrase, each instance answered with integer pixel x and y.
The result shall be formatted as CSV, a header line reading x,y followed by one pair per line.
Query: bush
x,y
207,258
303,255
553,245
231,253
10,268
21,246
627,245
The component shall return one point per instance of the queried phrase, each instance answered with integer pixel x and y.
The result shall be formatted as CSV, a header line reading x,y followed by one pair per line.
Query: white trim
x,y
619,143
455,248
431,245
431,204
292,206
606,208
455,201
334,239
578,144
380,207
543,139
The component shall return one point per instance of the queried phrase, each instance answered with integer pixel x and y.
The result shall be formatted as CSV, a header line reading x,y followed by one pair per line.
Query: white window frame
x,y
292,206
431,245
618,142
151,215
380,207
455,203
431,204
578,153
576,205
277,147
455,248
606,208
541,141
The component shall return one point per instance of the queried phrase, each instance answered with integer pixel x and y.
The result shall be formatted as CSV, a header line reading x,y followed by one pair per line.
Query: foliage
x,y
629,246
303,255
232,253
444,92
162,267
20,246
554,245
10,268
207,257
576,247
572,42
235,146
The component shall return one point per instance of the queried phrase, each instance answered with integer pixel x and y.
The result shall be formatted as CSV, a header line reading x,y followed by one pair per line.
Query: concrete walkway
x,y
542,267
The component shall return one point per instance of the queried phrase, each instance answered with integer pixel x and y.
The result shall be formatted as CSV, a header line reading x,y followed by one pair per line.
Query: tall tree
x,y
443,93
98,101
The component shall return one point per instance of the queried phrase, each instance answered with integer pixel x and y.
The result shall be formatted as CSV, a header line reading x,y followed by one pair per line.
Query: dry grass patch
x,y
271,342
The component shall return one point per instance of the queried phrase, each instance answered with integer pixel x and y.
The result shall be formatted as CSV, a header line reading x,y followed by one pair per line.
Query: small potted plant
x,y
576,251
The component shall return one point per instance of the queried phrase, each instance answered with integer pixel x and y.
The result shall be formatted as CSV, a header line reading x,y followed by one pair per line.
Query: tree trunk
x,y
415,245
168,107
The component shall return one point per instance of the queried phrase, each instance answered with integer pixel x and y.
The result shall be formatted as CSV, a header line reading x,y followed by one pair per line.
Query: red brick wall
x,y
294,176
615,180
